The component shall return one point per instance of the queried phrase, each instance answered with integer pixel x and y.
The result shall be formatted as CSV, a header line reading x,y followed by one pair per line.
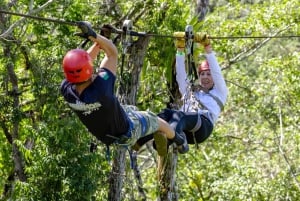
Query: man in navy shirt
x,y
91,97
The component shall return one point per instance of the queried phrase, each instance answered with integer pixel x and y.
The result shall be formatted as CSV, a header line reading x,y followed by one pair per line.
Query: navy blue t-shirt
x,y
97,107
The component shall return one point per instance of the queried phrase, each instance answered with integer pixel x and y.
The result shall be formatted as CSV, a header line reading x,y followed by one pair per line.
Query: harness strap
x,y
198,124
107,153
218,101
195,141
196,128
132,161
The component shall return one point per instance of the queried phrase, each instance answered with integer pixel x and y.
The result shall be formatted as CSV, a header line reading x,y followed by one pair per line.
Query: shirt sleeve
x,y
181,76
219,82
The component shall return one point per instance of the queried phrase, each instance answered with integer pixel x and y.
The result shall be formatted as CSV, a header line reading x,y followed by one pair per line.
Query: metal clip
x,y
189,38
126,36
189,45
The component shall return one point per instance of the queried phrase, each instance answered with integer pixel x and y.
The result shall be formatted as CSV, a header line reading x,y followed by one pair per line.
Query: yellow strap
x,y
179,35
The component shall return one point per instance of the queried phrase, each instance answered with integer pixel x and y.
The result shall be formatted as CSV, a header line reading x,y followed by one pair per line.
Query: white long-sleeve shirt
x,y
212,109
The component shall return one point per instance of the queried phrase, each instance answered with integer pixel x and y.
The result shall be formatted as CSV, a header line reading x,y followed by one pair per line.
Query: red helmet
x,y
78,66
203,66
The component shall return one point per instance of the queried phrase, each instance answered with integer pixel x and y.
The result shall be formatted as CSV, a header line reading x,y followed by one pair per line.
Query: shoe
x,y
141,142
183,148
136,146
169,143
161,143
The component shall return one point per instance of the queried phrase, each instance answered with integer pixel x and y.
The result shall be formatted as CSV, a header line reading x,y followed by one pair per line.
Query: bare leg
x,y
165,131
165,128
179,138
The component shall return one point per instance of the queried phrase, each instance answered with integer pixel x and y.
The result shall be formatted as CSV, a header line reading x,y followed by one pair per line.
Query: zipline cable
x,y
240,37
229,37
40,18
134,33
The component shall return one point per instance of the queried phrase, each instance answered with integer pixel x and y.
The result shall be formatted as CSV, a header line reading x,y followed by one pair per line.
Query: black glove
x,y
106,30
86,30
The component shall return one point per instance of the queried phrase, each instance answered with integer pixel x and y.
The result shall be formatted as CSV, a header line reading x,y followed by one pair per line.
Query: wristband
x,y
180,52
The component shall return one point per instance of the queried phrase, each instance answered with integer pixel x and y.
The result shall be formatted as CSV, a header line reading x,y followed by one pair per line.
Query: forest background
x,y
253,153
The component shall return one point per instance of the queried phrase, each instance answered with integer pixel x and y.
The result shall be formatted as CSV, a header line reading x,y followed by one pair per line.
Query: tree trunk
x,y
11,131
129,83
14,131
117,176
167,165
166,174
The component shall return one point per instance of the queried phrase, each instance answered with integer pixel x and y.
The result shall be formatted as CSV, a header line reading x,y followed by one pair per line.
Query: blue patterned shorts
x,y
143,123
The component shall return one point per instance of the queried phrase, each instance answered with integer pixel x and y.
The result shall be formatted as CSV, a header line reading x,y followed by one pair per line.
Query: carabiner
x,y
126,37
189,37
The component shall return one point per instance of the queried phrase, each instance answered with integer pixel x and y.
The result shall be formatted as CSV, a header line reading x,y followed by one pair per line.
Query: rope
x,y
139,34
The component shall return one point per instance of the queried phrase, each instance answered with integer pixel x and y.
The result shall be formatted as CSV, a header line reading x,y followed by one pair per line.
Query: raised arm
x,y
181,76
110,59
216,73
215,69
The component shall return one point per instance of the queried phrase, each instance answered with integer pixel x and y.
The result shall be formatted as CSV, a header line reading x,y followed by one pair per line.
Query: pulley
x,y
189,46
189,36
126,36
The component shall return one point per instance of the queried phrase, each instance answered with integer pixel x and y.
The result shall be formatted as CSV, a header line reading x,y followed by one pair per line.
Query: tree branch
x,y
250,51
282,152
17,23
6,132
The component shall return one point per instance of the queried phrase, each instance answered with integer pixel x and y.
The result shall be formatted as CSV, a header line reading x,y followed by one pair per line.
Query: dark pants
x,y
184,122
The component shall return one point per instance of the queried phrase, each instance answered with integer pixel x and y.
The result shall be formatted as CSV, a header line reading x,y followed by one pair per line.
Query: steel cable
x,y
139,34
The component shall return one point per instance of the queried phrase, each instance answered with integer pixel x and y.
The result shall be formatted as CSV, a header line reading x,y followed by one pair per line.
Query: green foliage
x,y
61,166
253,153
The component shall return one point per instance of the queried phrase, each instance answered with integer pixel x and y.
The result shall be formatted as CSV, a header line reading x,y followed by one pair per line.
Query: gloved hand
x,y
202,38
180,40
86,30
106,30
